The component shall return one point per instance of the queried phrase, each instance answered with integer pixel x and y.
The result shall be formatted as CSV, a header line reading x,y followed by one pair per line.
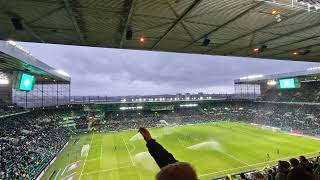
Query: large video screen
x,y
26,82
288,83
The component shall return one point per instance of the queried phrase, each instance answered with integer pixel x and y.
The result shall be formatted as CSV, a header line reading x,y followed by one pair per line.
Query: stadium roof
x,y
309,74
15,58
234,27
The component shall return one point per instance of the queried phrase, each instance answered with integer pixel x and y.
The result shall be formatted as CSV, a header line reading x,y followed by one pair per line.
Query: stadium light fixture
x,y
275,12
313,68
13,43
295,53
188,105
4,81
205,42
142,39
272,83
129,35
252,77
262,48
62,72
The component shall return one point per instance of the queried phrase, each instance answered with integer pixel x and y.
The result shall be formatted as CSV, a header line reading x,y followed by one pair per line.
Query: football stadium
x,y
268,129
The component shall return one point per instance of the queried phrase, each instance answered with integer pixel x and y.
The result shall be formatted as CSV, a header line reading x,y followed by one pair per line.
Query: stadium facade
x,y
49,86
301,85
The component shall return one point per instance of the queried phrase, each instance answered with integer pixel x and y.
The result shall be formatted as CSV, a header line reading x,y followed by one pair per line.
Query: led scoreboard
x,y
290,83
25,82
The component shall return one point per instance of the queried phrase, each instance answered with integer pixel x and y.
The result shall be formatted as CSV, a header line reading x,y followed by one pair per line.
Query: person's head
x,y
294,162
227,178
242,176
302,158
177,171
258,176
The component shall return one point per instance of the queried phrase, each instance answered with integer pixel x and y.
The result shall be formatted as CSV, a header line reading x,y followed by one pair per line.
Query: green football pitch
x,y
214,149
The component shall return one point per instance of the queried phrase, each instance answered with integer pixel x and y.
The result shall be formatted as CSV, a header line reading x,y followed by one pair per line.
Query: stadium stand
x,y
7,109
308,92
41,134
289,117
28,143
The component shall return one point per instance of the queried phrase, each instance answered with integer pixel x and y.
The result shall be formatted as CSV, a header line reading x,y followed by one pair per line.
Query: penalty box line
x,y
127,150
86,157
257,164
130,155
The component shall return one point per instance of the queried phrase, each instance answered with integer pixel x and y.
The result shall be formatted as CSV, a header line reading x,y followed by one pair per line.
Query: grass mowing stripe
x,y
106,170
86,157
236,141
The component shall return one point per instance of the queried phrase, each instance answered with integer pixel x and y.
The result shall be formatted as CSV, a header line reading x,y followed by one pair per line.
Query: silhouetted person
x,y
297,172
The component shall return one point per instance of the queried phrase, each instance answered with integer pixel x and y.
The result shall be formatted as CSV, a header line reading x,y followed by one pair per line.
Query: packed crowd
x,y
308,92
6,108
294,169
28,143
288,117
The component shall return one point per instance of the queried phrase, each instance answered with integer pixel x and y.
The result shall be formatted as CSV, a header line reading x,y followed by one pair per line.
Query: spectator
x,y
282,171
297,172
243,176
305,164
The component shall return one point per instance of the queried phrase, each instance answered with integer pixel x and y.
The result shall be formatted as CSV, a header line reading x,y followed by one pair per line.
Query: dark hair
x,y
177,171
242,175
302,158
294,162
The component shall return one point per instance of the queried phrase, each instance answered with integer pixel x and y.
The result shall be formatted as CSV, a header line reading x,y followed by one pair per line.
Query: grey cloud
x,y
99,71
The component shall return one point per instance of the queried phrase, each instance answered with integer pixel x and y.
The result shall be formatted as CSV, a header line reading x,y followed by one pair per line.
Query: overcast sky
x,y
113,72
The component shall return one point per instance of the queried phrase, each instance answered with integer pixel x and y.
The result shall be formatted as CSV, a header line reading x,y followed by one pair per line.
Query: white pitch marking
x,y
233,157
129,155
127,150
86,157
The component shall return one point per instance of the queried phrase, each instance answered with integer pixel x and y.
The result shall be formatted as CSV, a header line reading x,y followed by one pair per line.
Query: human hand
x,y
145,133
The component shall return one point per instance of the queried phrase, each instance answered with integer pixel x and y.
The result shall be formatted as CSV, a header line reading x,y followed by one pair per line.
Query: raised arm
x,y
159,154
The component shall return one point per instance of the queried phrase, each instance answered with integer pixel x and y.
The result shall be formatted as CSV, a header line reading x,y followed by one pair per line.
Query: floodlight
x,y
142,39
62,72
274,12
13,43
272,83
4,81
